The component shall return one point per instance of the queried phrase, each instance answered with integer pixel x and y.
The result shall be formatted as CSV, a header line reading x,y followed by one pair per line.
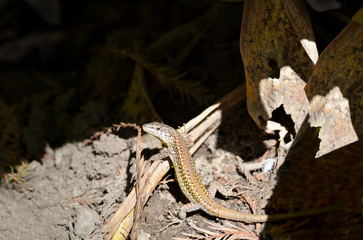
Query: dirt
x,y
73,190
70,193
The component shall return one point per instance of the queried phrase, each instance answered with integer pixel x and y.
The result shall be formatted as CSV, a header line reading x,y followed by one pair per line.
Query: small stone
x,y
110,145
143,236
85,222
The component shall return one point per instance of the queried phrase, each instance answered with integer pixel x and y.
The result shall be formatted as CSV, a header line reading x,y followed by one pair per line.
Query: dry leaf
x,y
335,90
273,37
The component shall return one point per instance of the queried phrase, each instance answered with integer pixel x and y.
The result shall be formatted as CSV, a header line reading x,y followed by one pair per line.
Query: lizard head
x,y
161,131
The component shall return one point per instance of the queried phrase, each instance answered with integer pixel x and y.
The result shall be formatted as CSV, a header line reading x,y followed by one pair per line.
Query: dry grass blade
x,y
203,230
200,127
243,229
140,189
228,232
251,204
193,236
121,223
140,186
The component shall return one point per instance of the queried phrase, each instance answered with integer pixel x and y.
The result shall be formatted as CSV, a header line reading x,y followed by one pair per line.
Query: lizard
x,y
194,190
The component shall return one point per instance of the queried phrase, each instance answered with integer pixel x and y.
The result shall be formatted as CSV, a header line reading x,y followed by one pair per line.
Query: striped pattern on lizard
x,y
192,187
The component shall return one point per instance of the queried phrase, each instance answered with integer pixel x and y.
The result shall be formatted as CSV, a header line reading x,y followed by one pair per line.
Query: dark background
x,y
67,67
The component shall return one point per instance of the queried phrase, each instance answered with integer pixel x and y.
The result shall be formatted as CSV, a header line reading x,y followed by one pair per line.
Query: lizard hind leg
x,y
216,186
189,207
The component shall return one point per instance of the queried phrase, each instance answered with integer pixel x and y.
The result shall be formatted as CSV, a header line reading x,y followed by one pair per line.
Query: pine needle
x,y
172,79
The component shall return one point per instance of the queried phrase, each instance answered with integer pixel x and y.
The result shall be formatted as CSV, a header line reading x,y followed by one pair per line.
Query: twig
x,y
224,232
245,171
140,186
141,178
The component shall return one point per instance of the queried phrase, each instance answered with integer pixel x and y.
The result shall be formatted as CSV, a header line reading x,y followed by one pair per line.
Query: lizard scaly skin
x,y
192,187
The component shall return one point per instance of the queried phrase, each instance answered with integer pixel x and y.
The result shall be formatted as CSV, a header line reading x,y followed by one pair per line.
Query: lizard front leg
x,y
164,153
